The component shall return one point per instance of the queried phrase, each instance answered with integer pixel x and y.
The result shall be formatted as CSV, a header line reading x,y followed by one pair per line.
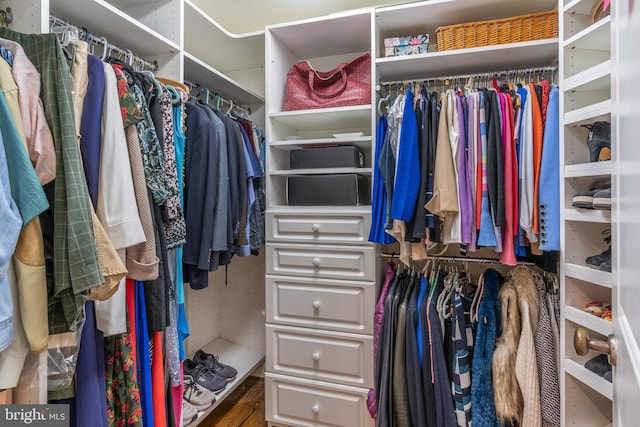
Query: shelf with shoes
x,y
243,360
587,167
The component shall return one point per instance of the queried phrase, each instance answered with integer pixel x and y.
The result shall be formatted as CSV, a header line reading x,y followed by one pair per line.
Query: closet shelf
x,y
479,59
245,361
580,7
332,118
232,51
587,320
417,17
197,71
104,19
594,381
587,215
363,143
587,274
589,114
592,79
594,37
320,171
588,169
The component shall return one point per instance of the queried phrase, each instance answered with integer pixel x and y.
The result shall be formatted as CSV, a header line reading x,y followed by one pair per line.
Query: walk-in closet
x,y
285,214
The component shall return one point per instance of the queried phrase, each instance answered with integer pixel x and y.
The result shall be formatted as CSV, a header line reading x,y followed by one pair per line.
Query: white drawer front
x,y
318,228
346,306
313,404
330,261
328,356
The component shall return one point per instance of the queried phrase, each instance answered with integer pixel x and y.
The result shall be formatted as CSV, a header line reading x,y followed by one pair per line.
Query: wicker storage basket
x,y
535,26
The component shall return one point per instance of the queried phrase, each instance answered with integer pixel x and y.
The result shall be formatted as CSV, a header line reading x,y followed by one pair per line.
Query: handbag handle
x,y
343,78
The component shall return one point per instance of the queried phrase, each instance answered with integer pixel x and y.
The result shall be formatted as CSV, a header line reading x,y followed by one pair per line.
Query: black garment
x,y
385,359
416,230
495,166
400,389
427,384
237,174
157,291
200,174
432,221
414,380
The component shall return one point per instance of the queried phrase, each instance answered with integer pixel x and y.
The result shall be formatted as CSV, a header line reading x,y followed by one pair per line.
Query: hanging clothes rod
x,y
215,96
458,259
490,74
81,33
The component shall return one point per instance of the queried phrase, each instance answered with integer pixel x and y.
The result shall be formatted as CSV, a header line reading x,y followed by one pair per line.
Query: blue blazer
x,y
549,195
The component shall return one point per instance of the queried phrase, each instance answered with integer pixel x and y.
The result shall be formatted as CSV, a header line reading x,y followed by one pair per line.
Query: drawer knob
x,y
315,356
315,228
315,409
316,304
316,262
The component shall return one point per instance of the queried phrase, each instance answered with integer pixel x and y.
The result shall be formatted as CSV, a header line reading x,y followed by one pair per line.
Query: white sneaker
x,y
189,413
197,395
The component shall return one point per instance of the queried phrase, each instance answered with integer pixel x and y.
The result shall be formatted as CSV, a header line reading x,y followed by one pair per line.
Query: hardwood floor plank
x,y
243,408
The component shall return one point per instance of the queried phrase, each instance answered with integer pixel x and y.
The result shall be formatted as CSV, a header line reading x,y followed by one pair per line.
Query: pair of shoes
x,y
189,413
204,376
602,261
599,141
200,397
600,365
212,362
598,196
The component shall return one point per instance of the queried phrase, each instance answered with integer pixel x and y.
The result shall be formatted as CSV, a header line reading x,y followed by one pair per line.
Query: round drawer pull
x,y
315,356
316,304
315,409
315,228
316,262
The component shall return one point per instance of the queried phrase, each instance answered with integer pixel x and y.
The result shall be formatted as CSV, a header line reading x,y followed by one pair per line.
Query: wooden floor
x,y
243,408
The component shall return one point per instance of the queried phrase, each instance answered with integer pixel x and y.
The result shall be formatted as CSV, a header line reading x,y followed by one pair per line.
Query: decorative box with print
x,y
408,45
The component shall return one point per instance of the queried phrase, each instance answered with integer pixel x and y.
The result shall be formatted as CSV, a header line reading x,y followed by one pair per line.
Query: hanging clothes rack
x,y
487,75
219,100
70,31
458,259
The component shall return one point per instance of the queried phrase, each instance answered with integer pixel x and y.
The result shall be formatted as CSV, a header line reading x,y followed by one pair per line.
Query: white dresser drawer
x,y
339,305
307,403
320,355
329,261
314,227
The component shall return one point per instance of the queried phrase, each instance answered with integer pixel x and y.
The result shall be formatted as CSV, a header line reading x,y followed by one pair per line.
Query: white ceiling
x,y
243,16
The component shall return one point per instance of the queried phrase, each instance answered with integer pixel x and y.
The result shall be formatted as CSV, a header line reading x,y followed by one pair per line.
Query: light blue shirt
x,y
10,226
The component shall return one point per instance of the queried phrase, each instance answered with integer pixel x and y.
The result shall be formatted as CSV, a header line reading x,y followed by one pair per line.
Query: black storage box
x,y
328,190
344,156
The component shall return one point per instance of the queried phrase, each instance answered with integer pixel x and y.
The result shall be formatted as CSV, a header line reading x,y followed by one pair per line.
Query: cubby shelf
x,y
594,381
594,37
587,215
588,169
588,114
589,321
598,277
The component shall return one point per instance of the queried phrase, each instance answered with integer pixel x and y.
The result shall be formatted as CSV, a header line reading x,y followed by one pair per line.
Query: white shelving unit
x,y
585,97
227,318
320,282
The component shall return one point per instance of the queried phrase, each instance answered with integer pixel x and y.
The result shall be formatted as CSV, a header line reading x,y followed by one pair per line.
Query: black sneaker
x,y
204,376
601,261
212,362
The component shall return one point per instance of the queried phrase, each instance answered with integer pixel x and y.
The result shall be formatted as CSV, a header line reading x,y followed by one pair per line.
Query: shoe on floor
x,y
212,362
584,199
602,199
204,376
189,413
197,395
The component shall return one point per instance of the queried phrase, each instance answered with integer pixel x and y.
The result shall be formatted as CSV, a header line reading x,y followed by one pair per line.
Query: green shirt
x,y
70,252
